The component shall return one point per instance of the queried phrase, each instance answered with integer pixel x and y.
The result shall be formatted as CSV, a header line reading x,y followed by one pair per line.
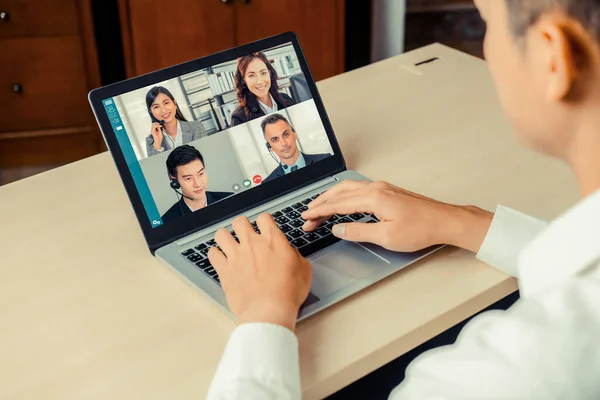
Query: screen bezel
x,y
162,235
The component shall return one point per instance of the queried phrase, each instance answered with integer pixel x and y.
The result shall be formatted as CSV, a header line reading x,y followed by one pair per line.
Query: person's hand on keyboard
x,y
264,278
408,221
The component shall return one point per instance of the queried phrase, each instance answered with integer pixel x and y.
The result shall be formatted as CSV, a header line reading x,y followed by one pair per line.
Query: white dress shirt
x,y
266,109
546,346
178,138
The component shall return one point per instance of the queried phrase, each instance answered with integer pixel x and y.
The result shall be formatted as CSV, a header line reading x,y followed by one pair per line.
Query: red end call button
x,y
257,179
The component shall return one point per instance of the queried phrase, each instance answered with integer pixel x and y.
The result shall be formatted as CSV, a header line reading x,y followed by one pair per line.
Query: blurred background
x,y
53,52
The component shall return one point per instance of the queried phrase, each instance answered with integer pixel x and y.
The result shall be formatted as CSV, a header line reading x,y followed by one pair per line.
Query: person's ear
x,y
555,56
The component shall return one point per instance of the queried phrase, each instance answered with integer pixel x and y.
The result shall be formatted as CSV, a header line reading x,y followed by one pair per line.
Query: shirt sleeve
x,y
511,231
544,347
260,362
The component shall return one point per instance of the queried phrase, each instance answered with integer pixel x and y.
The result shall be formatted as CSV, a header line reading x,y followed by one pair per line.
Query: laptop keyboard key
x,y
297,223
287,210
317,245
299,242
323,231
289,238
211,242
188,252
344,220
311,237
194,257
297,206
333,219
302,209
285,228
293,215
204,264
201,247
210,271
205,251
307,201
296,234
277,214
356,216
281,220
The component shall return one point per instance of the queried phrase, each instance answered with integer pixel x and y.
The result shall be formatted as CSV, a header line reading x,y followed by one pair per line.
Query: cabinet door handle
x,y
4,16
17,88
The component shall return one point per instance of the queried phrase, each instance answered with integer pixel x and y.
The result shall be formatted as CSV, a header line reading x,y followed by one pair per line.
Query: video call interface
x,y
204,137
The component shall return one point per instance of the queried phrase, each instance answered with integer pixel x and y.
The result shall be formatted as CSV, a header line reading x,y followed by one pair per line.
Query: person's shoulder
x,y
288,100
172,213
275,174
196,127
315,157
238,116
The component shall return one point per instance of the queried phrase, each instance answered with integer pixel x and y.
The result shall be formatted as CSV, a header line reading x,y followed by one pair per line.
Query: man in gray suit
x,y
169,129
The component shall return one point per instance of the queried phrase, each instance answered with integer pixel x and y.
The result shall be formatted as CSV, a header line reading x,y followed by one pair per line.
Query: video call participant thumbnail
x,y
282,140
169,127
187,171
257,89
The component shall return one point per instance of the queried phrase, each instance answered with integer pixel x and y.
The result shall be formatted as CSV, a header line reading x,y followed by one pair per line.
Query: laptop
x,y
241,132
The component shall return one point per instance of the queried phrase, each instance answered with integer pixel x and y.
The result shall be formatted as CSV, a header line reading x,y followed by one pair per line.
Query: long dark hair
x,y
248,101
151,96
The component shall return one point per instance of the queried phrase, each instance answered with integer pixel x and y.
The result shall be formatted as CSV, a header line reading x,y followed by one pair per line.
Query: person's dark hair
x,y
248,101
151,96
182,155
273,119
525,13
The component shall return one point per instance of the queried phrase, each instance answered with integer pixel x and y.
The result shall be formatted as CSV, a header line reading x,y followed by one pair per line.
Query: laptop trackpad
x,y
341,265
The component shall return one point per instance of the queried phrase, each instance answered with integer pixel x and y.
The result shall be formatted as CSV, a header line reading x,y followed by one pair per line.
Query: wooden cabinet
x,y
160,34
48,66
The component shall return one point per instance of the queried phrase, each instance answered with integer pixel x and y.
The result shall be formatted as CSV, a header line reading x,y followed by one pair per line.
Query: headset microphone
x,y
174,183
282,165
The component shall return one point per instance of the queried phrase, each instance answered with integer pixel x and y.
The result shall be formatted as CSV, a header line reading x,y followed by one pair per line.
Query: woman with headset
x,y
169,127
257,89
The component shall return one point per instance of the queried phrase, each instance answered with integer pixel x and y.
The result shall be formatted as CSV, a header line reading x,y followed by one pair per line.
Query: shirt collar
x,y
177,138
300,163
268,109
569,245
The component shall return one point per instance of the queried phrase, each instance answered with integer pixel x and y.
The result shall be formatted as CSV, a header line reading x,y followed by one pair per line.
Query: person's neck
x,y
171,127
266,100
293,160
196,204
584,153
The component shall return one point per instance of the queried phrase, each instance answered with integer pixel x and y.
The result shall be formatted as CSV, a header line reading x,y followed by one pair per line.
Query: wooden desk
x,y
87,312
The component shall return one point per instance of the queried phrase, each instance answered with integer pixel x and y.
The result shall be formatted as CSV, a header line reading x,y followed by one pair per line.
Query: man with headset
x,y
187,171
282,140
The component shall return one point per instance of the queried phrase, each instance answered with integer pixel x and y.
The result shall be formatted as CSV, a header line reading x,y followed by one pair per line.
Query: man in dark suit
x,y
282,140
187,172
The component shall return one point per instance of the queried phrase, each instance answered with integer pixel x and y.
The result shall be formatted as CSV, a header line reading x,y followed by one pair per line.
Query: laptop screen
x,y
194,140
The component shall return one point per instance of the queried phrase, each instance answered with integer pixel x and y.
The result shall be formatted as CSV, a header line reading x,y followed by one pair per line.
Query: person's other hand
x,y
408,221
264,278
157,135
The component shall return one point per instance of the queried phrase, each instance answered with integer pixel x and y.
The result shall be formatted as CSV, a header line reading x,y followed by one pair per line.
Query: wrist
x,y
277,314
466,227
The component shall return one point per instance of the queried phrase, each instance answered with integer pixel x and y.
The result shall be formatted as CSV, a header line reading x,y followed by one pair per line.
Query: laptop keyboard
x,y
290,222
